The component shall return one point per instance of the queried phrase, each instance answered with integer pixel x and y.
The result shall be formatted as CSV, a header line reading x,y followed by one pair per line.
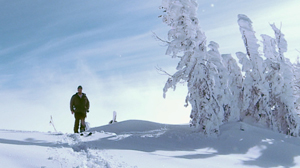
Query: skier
x,y
79,106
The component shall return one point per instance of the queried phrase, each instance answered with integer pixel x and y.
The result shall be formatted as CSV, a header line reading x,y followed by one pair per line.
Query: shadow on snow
x,y
259,146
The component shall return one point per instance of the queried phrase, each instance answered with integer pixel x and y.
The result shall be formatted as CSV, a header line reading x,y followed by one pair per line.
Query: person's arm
x,y
87,104
71,105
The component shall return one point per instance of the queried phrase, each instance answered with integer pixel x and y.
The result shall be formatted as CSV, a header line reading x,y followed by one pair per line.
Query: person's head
x,y
79,89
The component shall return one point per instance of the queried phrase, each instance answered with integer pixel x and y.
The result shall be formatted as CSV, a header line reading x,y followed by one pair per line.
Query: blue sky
x,y
48,48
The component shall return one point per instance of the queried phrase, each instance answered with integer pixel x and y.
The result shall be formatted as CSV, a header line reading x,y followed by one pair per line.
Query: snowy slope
x,y
136,143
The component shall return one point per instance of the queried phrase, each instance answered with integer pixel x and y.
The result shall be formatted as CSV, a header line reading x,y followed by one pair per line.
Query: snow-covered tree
x,y
255,92
220,76
268,87
280,77
188,42
235,84
217,91
297,85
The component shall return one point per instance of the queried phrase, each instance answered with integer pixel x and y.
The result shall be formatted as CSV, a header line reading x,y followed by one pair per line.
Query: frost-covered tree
x,y
188,42
235,84
219,74
280,77
268,87
255,92
297,85
217,91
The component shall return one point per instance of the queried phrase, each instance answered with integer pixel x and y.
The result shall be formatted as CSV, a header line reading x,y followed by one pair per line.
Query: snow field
x,y
143,144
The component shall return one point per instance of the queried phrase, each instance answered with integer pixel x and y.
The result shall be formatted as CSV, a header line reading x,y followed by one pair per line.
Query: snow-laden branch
x,y
160,39
162,72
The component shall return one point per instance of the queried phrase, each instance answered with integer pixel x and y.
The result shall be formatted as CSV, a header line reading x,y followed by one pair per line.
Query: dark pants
x,y
79,117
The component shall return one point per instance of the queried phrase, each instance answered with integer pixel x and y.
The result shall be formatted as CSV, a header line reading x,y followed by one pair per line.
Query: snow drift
x,y
137,143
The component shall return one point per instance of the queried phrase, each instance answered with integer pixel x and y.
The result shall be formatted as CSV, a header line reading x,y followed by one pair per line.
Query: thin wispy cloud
x,y
223,28
48,48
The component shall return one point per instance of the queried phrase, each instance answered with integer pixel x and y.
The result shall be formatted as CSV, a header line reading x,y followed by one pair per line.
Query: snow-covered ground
x,y
137,143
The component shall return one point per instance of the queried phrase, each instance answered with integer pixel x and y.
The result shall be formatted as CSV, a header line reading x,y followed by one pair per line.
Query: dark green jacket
x,y
79,105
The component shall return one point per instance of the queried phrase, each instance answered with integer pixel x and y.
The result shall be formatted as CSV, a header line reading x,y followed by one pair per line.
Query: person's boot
x,y
82,128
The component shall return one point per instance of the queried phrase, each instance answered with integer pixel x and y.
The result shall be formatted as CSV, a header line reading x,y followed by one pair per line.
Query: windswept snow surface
x,y
136,143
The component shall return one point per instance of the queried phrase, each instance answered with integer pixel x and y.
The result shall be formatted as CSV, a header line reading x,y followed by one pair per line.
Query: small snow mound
x,y
129,126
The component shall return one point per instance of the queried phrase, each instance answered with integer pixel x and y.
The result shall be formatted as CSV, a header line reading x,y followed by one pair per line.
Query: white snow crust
x,y
137,143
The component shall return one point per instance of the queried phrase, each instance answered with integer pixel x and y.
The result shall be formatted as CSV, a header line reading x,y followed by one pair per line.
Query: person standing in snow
x,y
79,106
